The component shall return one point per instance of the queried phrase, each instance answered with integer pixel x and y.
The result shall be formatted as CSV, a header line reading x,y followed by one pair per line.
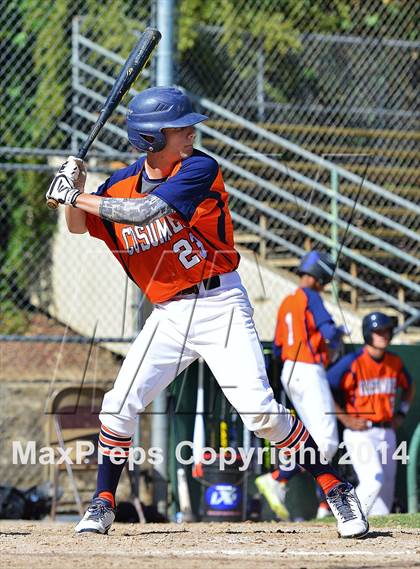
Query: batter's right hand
x,y
75,169
354,423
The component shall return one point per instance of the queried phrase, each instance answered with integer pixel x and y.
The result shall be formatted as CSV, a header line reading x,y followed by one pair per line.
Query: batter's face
x,y
179,141
381,338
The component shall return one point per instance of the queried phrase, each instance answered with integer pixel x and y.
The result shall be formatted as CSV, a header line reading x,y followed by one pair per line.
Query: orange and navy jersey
x,y
305,328
369,385
179,250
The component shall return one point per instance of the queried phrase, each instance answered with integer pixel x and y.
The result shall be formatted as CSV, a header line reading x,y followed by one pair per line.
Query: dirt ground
x,y
196,546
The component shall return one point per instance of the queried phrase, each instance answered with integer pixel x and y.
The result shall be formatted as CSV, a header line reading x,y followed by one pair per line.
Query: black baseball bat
x,y
136,61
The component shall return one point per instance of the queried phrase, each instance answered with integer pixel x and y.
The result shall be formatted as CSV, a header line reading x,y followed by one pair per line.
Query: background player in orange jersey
x,y
369,379
166,220
305,338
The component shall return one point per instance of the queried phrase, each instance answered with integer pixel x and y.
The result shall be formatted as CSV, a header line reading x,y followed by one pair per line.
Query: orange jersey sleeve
x,y
279,333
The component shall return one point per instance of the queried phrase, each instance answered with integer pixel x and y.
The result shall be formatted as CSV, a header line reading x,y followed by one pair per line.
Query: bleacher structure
x,y
354,192
281,189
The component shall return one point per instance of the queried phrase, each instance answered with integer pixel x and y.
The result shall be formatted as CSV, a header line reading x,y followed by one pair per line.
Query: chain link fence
x,y
54,286
44,118
340,82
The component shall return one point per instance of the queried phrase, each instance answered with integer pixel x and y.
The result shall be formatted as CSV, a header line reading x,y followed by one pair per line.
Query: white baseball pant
x,y
307,387
216,325
371,453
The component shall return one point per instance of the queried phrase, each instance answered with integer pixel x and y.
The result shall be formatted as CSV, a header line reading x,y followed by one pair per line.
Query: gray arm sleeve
x,y
137,211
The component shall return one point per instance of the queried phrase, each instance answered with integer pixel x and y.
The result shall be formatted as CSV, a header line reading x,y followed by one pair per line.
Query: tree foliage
x,y
226,39
281,22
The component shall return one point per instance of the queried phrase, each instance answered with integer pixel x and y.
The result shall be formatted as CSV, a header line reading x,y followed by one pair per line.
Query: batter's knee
x,y
119,413
274,427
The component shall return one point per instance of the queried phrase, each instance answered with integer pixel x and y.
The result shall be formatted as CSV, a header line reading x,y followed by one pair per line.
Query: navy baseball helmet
x,y
154,109
318,265
376,321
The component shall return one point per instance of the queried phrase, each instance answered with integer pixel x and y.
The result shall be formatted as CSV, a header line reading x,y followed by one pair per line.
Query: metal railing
x,y
326,209
298,251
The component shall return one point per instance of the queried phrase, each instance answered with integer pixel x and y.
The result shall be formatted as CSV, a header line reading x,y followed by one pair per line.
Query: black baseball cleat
x,y
98,517
345,505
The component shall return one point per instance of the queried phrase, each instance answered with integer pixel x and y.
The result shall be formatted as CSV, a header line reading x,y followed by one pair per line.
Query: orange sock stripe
x,y
296,441
107,496
295,425
294,449
114,433
327,482
116,452
290,440
303,440
114,443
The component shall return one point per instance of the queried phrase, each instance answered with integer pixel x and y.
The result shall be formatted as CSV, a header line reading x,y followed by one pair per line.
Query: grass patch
x,y
392,520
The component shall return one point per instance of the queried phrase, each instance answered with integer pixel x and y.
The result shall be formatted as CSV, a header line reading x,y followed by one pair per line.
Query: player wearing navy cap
x,y
369,379
305,338
166,220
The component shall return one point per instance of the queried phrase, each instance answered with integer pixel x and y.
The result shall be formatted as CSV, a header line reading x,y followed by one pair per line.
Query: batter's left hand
x,y
62,189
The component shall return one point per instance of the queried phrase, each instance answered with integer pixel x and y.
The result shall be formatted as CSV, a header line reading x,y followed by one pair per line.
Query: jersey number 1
x,y
289,323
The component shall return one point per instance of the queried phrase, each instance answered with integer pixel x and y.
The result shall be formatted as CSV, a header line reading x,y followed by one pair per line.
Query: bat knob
x,y
52,204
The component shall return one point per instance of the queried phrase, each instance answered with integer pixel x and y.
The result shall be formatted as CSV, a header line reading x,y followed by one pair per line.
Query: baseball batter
x,y
305,338
166,220
369,379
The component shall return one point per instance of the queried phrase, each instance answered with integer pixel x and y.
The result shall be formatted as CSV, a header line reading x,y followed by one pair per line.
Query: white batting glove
x,y
75,170
62,189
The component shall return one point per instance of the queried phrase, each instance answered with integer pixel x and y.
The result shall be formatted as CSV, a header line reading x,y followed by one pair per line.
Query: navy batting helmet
x,y
376,321
154,109
318,265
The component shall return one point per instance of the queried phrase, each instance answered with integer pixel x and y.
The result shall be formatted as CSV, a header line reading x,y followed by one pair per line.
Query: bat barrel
x,y
128,74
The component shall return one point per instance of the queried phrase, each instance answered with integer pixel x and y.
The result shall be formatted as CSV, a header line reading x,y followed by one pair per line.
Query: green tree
x,y
36,92
224,39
